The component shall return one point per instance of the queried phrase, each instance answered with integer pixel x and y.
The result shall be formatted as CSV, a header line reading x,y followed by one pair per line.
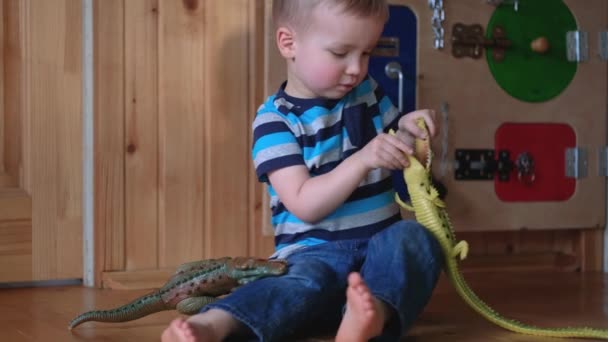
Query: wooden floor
x,y
540,298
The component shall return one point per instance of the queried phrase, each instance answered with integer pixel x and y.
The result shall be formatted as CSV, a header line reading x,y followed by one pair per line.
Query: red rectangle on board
x,y
546,143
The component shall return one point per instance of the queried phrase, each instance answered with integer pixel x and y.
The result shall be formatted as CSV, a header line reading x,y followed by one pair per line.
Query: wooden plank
x,y
12,93
109,137
2,112
54,49
141,161
545,261
261,237
591,249
182,98
226,139
16,249
15,204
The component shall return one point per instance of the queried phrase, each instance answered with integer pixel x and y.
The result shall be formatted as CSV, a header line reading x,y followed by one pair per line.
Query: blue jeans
x,y
400,264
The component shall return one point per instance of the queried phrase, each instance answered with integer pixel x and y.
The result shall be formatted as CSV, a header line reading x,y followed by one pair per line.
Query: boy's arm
x,y
313,198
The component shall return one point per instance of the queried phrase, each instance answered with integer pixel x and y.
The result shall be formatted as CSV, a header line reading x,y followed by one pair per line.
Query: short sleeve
x,y
388,112
275,144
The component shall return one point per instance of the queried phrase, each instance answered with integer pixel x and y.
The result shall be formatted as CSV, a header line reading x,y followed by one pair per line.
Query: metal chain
x,y
437,23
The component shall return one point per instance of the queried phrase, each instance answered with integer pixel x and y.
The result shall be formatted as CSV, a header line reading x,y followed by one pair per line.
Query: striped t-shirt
x,y
320,133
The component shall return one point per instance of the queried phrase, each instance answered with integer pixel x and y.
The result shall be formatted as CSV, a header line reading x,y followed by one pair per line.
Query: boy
x,y
321,145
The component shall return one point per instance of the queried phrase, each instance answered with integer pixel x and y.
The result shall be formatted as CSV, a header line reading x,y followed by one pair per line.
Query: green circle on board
x,y
525,74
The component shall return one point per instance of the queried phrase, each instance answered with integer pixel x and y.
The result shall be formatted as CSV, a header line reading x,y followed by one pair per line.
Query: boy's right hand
x,y
385,151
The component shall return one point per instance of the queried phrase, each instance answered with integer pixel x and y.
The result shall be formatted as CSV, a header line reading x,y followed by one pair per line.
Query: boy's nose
x,y
354,68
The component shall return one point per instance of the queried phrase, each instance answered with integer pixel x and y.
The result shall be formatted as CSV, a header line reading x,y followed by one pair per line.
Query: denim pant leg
x,y
312,291
401,268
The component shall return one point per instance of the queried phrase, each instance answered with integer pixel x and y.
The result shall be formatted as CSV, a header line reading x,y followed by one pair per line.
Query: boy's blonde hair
x,y
294,12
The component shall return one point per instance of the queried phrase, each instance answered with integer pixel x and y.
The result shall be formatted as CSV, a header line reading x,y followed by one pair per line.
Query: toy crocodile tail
x,y
430,211
484,310
138,308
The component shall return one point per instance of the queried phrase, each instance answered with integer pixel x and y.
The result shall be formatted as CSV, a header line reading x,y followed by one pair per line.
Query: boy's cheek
x,y
326,75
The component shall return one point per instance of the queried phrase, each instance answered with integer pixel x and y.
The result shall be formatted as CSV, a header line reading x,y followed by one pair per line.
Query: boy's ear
x,y
286,42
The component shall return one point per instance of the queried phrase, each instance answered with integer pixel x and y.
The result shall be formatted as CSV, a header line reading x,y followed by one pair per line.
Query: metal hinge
x,y
576,162
603,45
577,46
603,161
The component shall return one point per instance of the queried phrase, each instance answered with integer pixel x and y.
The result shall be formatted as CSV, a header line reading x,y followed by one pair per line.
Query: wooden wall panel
x,y
182,97
227,143
177,86
142,139
109,106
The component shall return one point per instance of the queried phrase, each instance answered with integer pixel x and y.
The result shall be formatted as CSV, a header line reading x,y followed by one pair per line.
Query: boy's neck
x,y
297,90
302,104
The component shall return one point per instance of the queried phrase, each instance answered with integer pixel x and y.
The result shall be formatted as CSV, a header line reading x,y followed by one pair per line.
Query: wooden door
x,y
40,140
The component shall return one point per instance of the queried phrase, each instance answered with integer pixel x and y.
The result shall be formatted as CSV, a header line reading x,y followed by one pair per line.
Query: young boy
x,y
321,145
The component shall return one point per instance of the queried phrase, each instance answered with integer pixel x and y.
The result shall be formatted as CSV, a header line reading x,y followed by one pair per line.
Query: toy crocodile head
x,y
246,269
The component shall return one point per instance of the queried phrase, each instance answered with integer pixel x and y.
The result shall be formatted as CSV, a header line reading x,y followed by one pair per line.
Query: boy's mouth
x,y
346,86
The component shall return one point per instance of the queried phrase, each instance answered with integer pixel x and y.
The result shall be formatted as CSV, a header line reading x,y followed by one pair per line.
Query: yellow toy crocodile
x,y
430,211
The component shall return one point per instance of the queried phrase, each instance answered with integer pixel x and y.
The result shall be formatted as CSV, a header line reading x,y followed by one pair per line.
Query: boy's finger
x,y
399,144
412,128
430,123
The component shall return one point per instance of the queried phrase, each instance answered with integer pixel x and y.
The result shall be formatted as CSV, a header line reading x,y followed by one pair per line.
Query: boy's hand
x,y
388,151
408,128
385,151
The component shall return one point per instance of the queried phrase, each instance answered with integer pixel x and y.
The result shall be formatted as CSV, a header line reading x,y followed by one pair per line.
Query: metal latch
x,y
480,164
387,47
576,162
469,41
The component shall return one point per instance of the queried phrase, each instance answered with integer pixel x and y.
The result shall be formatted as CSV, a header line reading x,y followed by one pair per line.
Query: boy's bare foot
x,y
365,315
184,331
212,326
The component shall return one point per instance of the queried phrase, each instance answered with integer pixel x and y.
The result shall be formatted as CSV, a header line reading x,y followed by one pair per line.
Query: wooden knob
x,y
540,45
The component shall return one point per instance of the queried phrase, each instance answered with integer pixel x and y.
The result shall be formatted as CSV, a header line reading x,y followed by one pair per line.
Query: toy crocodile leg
x,y
431,212
193,305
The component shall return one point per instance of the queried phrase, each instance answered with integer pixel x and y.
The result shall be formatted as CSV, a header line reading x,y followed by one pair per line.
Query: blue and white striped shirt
x,y
320,133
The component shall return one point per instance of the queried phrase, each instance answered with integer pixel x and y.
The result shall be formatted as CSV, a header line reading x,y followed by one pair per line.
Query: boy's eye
x,y
338,54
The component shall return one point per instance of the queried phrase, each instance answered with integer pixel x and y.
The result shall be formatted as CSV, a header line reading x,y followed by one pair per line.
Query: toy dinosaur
x,y
430,211
194,285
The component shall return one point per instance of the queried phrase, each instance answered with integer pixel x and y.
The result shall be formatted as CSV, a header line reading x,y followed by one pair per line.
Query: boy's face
x,y
331,55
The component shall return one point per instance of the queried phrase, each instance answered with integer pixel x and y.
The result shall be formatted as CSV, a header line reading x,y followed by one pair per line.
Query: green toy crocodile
x,y
194,285
430,211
